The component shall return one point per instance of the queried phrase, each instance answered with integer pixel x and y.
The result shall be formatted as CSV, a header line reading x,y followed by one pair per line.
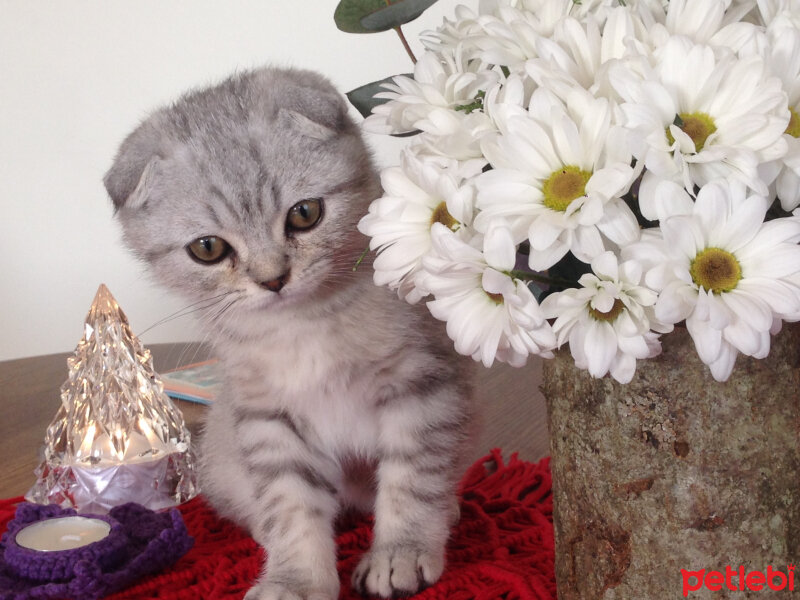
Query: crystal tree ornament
x,y
117,437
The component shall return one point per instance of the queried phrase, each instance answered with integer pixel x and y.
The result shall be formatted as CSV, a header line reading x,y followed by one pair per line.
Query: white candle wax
x,y
62,533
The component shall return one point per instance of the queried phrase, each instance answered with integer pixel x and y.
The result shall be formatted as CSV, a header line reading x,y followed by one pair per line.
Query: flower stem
x,y
528,276
405,44
403,38
360,258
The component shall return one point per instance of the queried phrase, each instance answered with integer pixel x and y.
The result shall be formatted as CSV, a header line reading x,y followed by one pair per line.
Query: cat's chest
x,y
316,379
327,372
296,365
293,358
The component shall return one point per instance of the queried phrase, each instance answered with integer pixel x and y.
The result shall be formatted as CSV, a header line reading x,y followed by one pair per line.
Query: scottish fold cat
x,y
244,198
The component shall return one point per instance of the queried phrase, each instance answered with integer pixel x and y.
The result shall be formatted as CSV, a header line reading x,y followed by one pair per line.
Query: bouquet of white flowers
x,y
596,172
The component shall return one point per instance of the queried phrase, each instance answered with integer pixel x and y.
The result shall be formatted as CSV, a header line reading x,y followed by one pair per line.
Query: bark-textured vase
x,y
675,471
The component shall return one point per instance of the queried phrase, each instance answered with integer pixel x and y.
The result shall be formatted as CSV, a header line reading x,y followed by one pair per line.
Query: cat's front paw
x,y
398,571
278,591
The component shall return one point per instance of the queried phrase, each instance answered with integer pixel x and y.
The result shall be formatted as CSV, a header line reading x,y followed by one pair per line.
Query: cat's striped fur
x,y
337,394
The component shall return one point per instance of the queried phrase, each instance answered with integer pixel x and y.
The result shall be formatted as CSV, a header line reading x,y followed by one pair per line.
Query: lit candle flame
x,y
88,439
120,446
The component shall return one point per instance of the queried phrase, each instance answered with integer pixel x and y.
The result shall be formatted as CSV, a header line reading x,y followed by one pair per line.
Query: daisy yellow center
x,y
794,124
442,215
496,298
609,316
697,125
716,270
564,186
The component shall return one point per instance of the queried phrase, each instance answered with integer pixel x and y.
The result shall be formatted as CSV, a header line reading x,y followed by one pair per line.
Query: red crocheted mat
x,y
501,548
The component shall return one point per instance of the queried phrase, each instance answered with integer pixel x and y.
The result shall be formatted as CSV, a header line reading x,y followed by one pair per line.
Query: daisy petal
x,y
600,347
707,340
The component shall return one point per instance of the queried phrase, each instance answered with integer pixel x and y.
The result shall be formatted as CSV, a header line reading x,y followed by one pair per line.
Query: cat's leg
x,y
416,502
290,507
296,529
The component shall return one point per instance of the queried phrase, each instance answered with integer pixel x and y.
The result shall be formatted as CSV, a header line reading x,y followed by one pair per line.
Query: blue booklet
x,y
198,382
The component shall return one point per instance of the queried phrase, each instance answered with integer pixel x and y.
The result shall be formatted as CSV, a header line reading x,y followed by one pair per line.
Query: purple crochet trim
x,y
141,542
60,566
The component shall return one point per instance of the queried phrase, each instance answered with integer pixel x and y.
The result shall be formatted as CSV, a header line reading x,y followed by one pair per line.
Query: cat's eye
x,y
208,249
304,215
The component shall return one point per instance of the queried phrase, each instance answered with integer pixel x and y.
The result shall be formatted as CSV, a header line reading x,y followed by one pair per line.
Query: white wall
x,y
75,78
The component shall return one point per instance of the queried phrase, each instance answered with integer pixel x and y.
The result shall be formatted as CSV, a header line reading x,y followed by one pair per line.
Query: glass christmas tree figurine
x,y
117,437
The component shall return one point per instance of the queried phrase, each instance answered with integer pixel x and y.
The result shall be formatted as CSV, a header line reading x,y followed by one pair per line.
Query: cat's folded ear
x,y
315,113
128,178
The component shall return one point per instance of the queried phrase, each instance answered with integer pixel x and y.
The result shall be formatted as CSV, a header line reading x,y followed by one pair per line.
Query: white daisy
x,y
453,33
490,316
696,117
557,178
609,322
726,272
580,52
446,85
507,33
504,34
500,35
417,194
783,57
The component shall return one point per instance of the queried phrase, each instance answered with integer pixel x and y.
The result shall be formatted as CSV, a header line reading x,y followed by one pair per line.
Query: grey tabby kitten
x,y
247,195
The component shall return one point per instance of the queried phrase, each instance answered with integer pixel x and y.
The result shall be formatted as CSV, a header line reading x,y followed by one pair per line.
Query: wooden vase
x,y
675,471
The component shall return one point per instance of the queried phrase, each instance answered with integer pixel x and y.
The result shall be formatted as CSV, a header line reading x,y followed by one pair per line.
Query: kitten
x,y
245,197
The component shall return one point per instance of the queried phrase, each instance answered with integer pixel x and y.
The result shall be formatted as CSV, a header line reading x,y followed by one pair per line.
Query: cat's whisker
x,y
200,345
205,315
184,352
187,310
225,319
206,327
215,318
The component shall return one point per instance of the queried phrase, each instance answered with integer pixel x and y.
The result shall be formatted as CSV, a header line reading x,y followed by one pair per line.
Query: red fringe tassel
x,y
501,548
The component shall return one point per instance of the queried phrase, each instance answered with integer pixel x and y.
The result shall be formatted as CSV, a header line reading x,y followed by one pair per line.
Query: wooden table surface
x,y
514,411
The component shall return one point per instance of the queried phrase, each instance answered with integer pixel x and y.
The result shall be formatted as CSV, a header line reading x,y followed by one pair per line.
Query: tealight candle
x,y
53,552
63,533
49,548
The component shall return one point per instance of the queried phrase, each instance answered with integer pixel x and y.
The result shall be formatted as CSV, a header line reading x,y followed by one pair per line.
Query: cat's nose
x,y
276,285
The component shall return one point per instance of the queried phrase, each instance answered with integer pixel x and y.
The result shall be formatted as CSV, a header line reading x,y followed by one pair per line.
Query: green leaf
x,y
539,292
363,98
371,16
476,104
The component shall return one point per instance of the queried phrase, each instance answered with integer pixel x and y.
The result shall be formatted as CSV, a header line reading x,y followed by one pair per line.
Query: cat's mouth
x,y
269,300
294,293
